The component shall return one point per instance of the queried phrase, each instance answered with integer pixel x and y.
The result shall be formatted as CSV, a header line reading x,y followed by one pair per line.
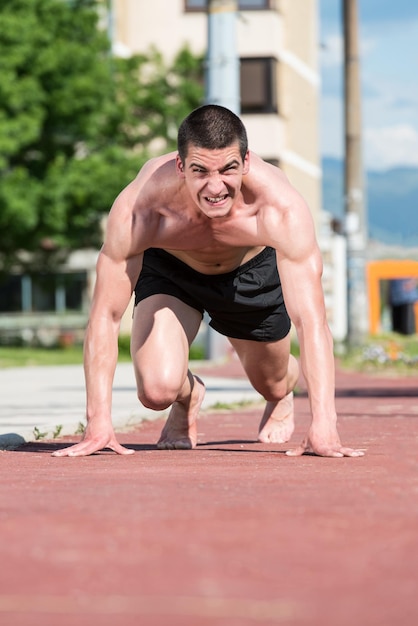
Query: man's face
x,y
213,177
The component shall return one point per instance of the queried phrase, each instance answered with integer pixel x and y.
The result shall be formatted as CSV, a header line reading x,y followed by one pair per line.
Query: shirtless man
x,y
208,228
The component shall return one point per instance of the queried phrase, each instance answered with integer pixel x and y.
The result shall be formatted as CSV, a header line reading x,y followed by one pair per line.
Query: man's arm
x,y
114,284
300,269
116,275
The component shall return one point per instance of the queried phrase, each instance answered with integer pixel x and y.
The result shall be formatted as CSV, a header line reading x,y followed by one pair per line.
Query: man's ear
x,y
179,166
246,167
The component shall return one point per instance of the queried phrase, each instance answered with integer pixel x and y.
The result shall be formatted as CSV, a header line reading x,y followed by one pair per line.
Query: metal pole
x,y
355,208
222,62
223,88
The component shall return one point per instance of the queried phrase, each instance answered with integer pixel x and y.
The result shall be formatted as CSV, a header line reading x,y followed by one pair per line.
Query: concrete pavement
x,y
40,402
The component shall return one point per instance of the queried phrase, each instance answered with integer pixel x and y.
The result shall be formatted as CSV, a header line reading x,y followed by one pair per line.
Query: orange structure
x,y
386,270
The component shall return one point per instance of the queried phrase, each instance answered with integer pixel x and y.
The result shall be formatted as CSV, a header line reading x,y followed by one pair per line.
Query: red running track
x,y
233,533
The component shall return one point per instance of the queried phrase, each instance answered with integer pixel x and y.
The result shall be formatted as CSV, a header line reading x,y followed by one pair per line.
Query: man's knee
x,y
157,393
156,398
273,390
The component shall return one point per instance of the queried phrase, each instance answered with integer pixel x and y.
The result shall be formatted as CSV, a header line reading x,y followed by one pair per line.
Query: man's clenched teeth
x,y
216,199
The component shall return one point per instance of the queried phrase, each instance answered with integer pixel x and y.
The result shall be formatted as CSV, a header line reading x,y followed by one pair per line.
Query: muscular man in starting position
x,y
212,227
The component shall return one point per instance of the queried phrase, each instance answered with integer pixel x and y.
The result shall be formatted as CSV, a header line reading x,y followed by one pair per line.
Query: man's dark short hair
x,y
213,127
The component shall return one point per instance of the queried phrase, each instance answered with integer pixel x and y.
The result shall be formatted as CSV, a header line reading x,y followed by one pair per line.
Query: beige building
x,y
277,43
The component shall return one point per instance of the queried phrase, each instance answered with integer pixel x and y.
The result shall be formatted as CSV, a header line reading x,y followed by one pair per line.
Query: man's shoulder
x,y
264,170
269,183
148,183
154,163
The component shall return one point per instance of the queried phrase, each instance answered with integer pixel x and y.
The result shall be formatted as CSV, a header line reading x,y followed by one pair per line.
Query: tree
x,y
76,124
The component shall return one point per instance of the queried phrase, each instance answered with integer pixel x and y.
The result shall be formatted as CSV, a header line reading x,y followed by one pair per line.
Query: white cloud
x,y
368,45
391,146
332,131
332,51
389,107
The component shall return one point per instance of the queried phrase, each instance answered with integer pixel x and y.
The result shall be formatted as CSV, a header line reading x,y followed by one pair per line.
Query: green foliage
x,y
124,347
80,429
38,434
76,124
165,96
57,431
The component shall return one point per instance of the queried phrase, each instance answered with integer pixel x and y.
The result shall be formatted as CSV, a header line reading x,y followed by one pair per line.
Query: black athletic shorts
x,y
246,303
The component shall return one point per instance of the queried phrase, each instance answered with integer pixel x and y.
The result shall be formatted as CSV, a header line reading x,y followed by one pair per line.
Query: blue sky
x,y
388,31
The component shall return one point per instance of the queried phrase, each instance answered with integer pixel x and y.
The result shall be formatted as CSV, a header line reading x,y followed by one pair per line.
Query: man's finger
x,y
116,447
339,452
335,453
85,449
77,450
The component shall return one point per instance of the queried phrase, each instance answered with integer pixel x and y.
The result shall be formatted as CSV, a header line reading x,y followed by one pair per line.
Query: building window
x,y
258,85
11,294
195,5
74,286
254,4
243,5
43,293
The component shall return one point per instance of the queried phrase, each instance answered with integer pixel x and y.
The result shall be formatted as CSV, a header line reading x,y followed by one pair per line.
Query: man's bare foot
x,y
277,424
180,430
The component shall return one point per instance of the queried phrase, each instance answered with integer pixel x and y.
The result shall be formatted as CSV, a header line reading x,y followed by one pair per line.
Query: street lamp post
x,y
222,62
223,88
355,204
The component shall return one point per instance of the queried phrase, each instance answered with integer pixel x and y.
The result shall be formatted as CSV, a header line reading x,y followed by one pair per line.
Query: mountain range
x,y
391,201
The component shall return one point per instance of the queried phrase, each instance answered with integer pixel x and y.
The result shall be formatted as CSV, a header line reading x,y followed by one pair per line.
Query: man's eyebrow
x,y
201,167
225,167
230,164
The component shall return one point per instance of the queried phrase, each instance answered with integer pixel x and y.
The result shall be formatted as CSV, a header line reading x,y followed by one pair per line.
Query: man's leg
x,y
163,329
273,372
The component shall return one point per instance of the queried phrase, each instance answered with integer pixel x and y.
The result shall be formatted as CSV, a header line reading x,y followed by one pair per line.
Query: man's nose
x,y
215,182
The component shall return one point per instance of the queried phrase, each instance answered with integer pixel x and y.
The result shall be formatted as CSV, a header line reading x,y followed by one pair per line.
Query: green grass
x,y
25,357
11,356
390,353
